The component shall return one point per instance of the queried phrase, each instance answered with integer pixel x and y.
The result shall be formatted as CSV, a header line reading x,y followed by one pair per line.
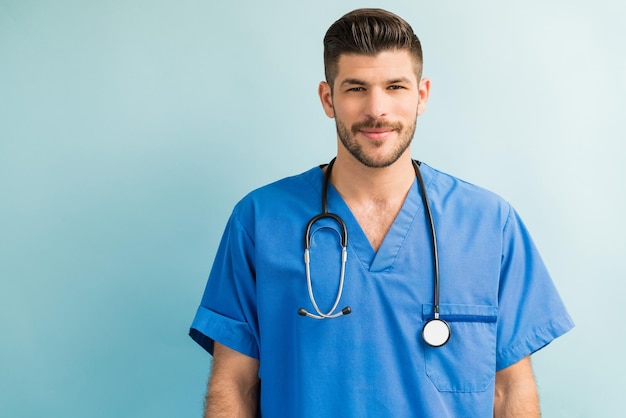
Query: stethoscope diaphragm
x,y
436,332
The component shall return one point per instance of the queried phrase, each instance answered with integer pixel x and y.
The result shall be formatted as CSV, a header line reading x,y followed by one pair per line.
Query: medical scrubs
x,y
495,293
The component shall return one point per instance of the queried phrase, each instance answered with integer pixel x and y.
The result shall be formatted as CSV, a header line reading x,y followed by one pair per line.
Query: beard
x,y
348,139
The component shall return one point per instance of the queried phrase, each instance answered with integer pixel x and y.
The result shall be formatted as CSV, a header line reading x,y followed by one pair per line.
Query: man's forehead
x,y
391,64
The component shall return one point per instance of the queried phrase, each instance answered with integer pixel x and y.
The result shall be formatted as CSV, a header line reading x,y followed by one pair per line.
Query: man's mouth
x,y
377,134
376,130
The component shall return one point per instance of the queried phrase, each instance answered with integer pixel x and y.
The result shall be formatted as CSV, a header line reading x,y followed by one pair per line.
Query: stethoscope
x,y
436,331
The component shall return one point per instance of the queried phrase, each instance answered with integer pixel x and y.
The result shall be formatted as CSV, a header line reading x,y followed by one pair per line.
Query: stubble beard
x,y
348,139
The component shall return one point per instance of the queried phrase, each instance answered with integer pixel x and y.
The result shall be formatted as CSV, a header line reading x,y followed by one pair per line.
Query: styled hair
x,y
368,32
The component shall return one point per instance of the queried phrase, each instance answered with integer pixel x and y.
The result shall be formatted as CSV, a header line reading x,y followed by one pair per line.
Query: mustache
x,y
376,124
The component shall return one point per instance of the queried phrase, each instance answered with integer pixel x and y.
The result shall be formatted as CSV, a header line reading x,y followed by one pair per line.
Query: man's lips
x,y
376,130
376,134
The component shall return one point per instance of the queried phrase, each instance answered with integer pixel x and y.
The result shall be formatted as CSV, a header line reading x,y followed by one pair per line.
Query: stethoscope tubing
x,y
344,255
330,313
433,235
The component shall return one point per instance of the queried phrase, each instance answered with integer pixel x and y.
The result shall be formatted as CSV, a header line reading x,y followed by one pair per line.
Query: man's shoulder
x,y
287,185
448,187
283,192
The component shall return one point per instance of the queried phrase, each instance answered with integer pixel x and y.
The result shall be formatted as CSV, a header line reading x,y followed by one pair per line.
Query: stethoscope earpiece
x,y
344,311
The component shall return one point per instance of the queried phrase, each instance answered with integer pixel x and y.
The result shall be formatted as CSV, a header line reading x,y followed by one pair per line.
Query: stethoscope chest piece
x,y
436,332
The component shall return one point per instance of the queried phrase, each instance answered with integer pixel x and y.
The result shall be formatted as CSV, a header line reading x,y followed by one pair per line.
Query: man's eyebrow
x,y
358,82
353,81
399,80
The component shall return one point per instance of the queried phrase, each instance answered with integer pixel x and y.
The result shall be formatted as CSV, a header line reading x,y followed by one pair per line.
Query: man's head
x,y
369,32
374,89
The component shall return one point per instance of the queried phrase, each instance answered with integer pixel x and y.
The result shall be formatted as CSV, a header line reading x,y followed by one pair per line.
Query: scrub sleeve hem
x,y
534,342
209,326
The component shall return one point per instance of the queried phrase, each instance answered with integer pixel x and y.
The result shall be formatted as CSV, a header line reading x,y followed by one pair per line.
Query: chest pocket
x,y
467,363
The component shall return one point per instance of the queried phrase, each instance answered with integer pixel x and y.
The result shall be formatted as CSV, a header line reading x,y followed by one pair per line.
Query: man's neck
x,y
358,183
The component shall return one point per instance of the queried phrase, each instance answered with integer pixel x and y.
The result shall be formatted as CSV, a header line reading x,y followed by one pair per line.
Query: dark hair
x,y
368,32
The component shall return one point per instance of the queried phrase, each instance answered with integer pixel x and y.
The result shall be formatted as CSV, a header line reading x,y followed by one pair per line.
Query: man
x,y
284,345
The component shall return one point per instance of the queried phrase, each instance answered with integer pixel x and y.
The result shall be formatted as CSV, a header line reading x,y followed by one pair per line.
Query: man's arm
x,y
233,390
516,392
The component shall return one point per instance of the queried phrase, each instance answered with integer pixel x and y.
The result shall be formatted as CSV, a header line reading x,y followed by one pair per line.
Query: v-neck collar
x,y
412,211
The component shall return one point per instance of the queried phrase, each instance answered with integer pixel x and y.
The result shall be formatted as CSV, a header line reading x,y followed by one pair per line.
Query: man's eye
x,y
356,89
396,87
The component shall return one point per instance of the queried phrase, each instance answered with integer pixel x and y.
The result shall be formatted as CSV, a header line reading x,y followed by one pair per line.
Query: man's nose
x,y
376,104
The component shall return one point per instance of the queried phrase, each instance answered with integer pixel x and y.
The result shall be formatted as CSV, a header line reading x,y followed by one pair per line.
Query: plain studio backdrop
x,y
129,129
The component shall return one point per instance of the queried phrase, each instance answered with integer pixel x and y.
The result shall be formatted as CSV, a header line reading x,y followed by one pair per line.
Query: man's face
x,y
375,102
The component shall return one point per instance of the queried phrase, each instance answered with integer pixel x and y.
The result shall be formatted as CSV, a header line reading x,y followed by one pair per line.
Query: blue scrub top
x,y
495,293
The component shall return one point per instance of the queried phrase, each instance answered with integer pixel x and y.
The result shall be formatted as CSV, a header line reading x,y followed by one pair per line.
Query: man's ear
x,y
326,97
424,94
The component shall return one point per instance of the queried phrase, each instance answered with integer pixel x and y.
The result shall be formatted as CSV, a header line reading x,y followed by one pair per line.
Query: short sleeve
x,y
227,312
531,312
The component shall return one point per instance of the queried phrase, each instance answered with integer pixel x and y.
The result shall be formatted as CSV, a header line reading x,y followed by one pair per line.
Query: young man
x,y
283,341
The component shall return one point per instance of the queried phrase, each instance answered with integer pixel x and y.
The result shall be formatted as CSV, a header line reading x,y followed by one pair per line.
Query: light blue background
x,y
128,129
